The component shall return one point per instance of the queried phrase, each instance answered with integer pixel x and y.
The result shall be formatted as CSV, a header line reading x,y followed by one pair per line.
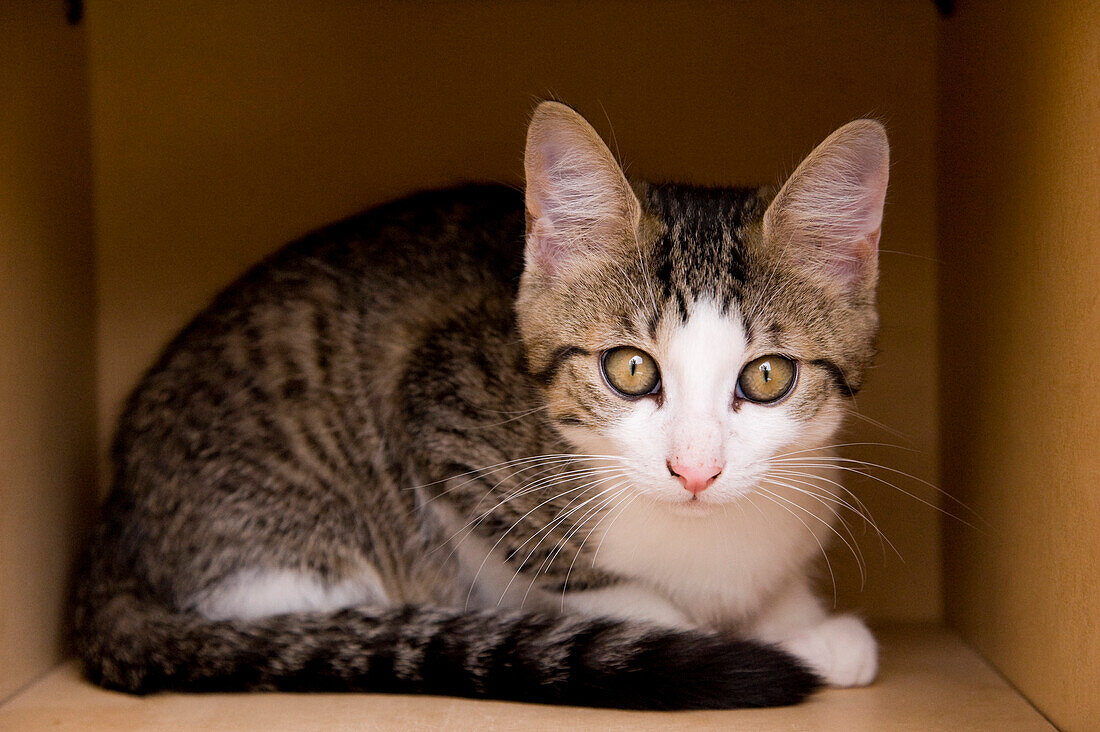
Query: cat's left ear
x,y
827,217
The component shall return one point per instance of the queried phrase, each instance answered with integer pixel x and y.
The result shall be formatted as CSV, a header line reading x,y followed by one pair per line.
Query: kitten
x,y
447,447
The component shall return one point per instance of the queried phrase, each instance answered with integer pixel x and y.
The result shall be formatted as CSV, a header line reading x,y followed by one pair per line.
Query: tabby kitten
x,y
445,447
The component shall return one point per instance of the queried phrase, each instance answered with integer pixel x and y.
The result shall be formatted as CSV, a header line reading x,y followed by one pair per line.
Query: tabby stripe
x,y
557,360
836,374
322,344
319,451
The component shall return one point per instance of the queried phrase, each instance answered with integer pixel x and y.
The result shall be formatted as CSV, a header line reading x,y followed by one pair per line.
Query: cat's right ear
x,y
579,203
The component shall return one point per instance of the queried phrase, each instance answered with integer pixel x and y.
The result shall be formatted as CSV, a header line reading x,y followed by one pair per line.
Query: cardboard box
x,y
152,152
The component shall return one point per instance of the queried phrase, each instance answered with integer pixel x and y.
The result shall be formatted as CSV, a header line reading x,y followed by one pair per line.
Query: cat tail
x,y
137,646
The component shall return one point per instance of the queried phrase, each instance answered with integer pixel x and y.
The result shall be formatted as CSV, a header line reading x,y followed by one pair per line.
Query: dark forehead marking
x,y
701,252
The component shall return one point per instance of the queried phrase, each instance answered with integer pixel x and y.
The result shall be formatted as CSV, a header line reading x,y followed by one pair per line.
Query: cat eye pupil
x,y
634,363
766,379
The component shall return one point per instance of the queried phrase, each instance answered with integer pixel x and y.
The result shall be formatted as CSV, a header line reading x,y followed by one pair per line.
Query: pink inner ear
x,y
830,209
543,250
575,191
863,254
545,157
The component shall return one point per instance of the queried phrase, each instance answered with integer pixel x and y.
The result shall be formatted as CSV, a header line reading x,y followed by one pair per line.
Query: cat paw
x,y
840,649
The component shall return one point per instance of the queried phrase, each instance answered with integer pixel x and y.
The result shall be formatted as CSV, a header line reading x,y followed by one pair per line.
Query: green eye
x,y
766,379
631,372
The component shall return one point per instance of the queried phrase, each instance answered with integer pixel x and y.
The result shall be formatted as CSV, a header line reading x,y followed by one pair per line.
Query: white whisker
x,y
841,463
538,485
545,531
517,461
853,546
821,448
610,525
517,522
580,547
863,512
774,499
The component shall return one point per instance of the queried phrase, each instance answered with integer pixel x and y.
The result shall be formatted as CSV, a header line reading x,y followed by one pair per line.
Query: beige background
x,y
47,420
219,132
1020,229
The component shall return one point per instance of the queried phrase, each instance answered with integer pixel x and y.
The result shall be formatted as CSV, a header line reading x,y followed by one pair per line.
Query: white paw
x,y
840,649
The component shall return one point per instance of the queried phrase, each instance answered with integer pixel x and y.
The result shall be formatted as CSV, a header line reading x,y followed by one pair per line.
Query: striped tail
x,y
139,647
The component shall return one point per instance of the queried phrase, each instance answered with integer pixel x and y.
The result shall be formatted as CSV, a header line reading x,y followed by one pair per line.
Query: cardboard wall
x,y
219,132
47,401
222,130
1020,315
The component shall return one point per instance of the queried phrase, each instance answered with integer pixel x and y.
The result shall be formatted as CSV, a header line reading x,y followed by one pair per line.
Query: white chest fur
x,y
719,567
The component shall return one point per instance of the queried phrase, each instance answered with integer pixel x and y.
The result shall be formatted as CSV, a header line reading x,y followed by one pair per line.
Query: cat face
x,y
694,334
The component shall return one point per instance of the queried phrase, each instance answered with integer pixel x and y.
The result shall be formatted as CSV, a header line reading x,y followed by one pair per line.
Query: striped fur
x,y
372,430
513,655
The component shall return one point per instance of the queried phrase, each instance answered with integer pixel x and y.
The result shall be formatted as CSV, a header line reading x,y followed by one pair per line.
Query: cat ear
x,y
579,203
828,215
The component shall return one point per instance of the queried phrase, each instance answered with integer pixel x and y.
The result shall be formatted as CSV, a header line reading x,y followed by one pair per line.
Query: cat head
x,y
695,333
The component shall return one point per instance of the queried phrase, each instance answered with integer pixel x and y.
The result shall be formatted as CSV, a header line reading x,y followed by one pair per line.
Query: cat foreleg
x,y
627,601
839,648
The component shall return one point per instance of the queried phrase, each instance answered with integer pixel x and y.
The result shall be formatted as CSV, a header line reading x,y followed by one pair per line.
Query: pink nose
x,y
695,478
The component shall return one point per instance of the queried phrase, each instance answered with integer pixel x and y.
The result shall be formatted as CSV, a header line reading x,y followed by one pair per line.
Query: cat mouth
x,y
703,503
692,506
